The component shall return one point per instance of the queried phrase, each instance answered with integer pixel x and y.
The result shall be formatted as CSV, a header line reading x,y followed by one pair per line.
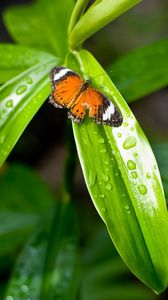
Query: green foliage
x,y
52,273
97,16
121,180
141,72
42,25
119,167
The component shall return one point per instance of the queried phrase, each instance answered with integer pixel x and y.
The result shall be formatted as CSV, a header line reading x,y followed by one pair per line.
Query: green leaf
x,y
141,72
77,13
17,197
21,206
47,267
124,182
20,99
96,17
14,229
15,59
105,275
42,25
161,152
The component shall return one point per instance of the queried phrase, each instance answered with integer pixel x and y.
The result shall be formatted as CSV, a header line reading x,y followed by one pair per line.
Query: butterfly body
x,y
70,91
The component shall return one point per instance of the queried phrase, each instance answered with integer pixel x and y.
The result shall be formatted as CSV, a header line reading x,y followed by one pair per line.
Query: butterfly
x,y
70,91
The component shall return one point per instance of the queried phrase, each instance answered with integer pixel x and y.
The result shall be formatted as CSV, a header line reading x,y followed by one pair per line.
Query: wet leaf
x,y
124,182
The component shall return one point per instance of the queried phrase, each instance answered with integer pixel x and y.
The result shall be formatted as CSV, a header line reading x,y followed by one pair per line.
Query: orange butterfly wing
x,y
100,108
72,92
66,86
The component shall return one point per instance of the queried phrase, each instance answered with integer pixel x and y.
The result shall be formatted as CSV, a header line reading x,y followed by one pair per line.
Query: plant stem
x,y
97,16
70,165
77,13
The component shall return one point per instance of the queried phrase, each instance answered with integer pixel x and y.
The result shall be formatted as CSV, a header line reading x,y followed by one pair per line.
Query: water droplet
x,y
130,142
123,195
92,179
2,138
9,103
119,134
101,195
105,178
24,288
127,209
21,89
107,169
148,175
103,150
101,141
116,174
135,154
107,163
125,124
142,189
95,132
108,187
134,175
132,128
29,80
131,164
103,210
4,111
9,298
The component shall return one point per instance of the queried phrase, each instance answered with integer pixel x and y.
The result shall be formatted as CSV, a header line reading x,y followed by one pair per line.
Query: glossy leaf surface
x,y
42,25
15,59
20,98
124,182
141,72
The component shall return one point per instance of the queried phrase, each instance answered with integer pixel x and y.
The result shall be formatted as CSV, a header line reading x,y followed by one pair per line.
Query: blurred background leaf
x,y
42,25
141,72
52,250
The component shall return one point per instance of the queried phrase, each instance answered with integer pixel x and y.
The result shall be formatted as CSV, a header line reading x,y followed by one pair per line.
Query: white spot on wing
x,y
108,112
61,73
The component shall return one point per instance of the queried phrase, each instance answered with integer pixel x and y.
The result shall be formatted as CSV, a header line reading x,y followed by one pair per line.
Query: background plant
x,y
21,97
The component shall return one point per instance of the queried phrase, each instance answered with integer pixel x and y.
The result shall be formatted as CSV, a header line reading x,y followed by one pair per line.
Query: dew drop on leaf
x,y
24,288
119,134
131,165
2,138
103,150
9,103
101,141
148,175
108,187
29,80
125,124
132,128
105,178
107,163
101,195
9,298
21,89
142,189
92,179
130,142
134,175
